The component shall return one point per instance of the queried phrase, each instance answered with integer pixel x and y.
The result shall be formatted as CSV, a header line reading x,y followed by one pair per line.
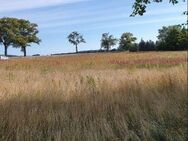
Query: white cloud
x,y
13,5
98,16
101,23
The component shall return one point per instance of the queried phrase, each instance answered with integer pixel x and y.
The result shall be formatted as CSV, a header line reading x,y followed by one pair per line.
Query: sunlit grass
x,y
94,98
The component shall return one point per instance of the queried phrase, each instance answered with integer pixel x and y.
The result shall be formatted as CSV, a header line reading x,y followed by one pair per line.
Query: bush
x,y
133,48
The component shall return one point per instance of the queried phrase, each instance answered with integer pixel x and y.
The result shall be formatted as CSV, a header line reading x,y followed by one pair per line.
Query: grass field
x,y
95,97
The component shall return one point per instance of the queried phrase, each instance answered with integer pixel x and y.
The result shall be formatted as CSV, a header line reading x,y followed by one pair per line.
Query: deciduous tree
x,y
75,38
26,35
108,41
8,28
127,40
172,38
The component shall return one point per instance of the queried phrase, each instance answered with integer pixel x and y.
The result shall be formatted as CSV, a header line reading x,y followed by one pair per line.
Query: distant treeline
x,y
171,38
20,33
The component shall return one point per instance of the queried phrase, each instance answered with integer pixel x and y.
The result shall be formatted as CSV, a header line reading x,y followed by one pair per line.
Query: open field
x,y
95,97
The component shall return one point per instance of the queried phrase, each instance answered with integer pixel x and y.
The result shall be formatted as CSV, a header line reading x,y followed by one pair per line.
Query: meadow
x,y
95,97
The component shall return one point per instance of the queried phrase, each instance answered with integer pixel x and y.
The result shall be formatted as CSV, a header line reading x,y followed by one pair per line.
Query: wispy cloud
x,y
95,15
143,22
112,19
13,5
112,24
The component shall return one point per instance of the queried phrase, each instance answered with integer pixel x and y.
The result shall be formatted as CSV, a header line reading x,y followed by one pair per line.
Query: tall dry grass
x,y
94,98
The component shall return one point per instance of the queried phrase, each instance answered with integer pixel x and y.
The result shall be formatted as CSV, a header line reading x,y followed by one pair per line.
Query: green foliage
x,y
127,41
17,32
172,38
147,46
133,47
139,7
108,41
7,32
75,38
27,34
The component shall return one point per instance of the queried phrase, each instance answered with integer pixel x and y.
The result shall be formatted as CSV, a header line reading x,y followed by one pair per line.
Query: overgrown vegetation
x,y
113,96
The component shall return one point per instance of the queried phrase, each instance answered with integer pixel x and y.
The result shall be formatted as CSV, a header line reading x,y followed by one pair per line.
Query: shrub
x,y
133,48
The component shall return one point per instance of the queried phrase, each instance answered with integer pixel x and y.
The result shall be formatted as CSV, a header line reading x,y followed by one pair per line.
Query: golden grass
x,y
95,97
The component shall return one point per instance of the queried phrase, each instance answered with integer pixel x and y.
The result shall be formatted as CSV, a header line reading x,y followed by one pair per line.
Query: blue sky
x,y
57,18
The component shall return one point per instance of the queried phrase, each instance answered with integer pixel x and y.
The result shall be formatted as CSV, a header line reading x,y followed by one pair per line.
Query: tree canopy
x,y
139,6
19,33
27,34
75,38
108,41
172,38
8,28
126,41
146,45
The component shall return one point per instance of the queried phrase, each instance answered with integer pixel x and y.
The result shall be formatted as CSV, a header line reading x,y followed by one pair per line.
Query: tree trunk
x,y
6,48
24,51
76,48
107,47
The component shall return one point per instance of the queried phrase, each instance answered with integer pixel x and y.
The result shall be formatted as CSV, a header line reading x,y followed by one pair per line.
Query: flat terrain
x,y
95,97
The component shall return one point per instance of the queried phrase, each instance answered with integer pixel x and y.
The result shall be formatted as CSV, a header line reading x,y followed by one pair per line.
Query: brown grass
x,y
89,98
